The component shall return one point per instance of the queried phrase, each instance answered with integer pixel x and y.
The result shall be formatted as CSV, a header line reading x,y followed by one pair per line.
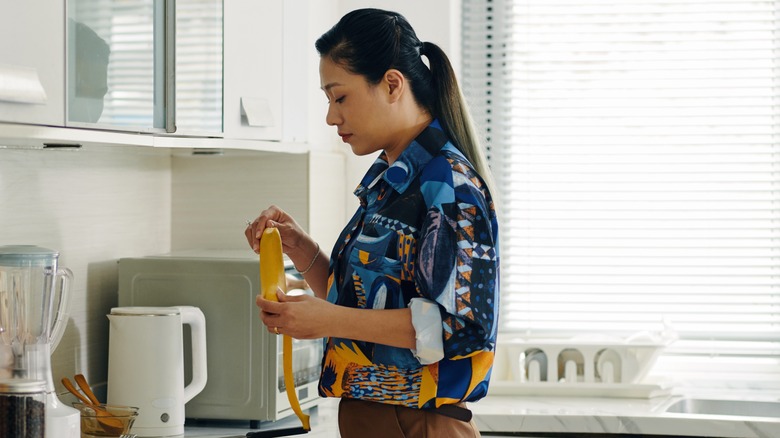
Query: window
x,y
635,146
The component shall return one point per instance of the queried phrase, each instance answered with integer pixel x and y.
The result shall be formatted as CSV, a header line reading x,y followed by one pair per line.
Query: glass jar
x,y
22,404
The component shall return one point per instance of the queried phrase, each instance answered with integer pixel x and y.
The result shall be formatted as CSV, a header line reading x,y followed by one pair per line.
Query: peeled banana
x,y
272,278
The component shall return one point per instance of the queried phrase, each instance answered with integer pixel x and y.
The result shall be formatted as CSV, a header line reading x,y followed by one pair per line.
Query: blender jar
x,y
33,297
33,317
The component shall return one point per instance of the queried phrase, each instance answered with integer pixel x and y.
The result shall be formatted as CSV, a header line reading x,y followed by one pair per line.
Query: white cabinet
x,y
265,89
233,74
32,62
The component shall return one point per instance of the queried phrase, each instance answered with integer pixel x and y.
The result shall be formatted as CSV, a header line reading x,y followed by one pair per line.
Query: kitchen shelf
x,y
20,136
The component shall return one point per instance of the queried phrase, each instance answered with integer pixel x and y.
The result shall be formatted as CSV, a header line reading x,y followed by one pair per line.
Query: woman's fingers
x,y
254,230
297,314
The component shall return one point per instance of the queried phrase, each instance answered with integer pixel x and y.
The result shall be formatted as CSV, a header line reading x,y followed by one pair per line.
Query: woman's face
x,y
357,109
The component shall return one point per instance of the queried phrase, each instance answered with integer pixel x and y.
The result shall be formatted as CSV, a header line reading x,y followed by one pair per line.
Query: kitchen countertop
x,y
513,415
573,416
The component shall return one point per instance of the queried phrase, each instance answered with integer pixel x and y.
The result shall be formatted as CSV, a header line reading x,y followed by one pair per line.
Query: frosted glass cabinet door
x,y
199,67
145,65
32,62
116,64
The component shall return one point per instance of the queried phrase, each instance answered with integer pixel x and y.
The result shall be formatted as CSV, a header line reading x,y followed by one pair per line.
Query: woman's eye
x,y
337,100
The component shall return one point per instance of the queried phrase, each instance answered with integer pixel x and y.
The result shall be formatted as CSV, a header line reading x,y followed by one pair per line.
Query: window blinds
x,y
635,145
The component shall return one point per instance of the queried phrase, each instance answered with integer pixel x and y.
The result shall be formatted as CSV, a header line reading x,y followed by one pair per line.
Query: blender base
x,y
62,421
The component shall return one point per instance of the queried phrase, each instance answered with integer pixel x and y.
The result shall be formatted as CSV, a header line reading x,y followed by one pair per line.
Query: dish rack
x,y
584,359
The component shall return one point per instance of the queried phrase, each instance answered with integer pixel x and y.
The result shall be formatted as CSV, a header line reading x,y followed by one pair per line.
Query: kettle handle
x,y
197,321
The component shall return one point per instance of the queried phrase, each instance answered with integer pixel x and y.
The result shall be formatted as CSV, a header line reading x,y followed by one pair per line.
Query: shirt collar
x,y
411,161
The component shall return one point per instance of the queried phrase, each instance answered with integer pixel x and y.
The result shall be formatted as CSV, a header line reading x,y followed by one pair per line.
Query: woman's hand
x,y
298,316
291,233
307,317
299,246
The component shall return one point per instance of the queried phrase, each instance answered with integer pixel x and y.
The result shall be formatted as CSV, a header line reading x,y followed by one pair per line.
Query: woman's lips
x,y
345,137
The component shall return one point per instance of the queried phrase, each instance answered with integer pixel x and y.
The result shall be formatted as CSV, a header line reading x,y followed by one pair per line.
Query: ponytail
x,y
450,107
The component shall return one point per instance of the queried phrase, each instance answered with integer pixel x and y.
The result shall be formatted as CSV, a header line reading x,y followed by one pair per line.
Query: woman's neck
x,y
408,131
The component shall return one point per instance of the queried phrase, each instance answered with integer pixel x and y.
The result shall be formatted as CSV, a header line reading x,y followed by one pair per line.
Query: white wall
x,y
214,195
93,206
436,21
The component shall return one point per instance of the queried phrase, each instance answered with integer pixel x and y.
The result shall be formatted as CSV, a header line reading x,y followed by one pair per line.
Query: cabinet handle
x,y
170,66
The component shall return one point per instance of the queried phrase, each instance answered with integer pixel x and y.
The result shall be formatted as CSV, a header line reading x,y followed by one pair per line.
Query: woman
x,y
409,299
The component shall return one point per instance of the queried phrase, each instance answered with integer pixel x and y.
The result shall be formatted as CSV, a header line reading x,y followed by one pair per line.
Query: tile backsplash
x,y
102,203
214,195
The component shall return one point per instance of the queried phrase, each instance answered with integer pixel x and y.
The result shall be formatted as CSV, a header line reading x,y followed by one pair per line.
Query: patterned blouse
x,y
425,236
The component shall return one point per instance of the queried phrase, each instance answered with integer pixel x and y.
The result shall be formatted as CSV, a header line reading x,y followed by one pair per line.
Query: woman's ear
x,y
395,83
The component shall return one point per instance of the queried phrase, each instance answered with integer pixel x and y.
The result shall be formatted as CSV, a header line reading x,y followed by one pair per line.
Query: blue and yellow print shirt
x,y
426,228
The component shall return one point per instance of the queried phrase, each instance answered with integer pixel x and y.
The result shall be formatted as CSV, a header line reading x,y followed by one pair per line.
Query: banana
x,y
272,277
271,264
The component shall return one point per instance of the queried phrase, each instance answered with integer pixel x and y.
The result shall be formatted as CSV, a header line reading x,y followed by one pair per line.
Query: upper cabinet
x,y
32,62
145,66
171,73
265,70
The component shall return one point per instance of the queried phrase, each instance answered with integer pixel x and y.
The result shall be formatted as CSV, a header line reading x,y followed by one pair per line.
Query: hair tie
x,y
424,49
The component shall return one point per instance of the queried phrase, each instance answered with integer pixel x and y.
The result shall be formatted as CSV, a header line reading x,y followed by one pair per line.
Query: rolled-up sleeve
x,y
458,267
426,320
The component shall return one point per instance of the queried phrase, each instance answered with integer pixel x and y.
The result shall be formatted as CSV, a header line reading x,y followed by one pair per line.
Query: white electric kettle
x,y
146,365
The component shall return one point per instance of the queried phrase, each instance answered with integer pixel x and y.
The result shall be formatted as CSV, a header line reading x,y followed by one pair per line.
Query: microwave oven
x,y
244,361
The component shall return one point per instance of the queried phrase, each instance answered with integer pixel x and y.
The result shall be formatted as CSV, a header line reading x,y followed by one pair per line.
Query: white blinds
x,y
635,144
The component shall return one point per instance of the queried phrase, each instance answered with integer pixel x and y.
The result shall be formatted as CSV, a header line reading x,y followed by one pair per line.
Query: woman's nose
x,y
332,118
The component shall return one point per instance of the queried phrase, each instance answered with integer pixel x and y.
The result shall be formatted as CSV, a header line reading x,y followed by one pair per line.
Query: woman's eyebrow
x,y
329,86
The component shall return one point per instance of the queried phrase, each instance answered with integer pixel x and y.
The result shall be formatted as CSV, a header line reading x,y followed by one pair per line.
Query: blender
x,y
33,316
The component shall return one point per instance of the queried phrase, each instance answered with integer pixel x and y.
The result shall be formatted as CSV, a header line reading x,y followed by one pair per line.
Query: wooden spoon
x,y
72,389
82,382
109,425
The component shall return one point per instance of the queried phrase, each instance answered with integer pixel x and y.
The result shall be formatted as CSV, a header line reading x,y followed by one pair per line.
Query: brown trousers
x,y
363,419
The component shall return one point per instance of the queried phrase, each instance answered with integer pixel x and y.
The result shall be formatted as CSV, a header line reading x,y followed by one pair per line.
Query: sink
x,y
742,408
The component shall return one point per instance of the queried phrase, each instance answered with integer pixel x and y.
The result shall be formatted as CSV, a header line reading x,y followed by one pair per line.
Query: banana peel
x,y
272,277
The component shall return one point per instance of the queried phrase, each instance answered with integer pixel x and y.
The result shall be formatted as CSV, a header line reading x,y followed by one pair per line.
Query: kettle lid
x,y
146,311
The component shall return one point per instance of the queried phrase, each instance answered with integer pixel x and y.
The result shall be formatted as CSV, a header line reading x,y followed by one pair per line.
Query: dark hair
x,y
369,42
